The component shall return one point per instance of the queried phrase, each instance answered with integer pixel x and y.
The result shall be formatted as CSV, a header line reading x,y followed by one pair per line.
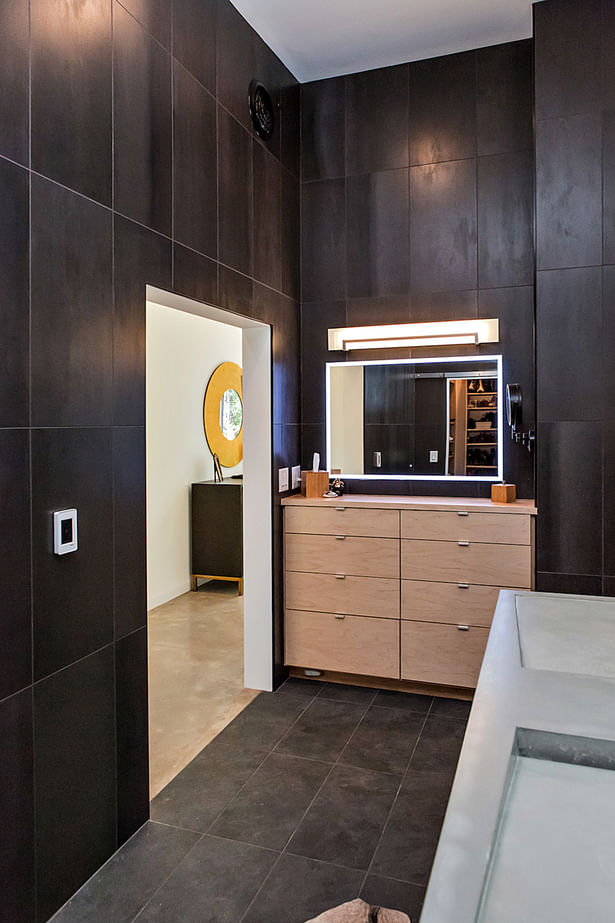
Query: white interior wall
x,y
182,352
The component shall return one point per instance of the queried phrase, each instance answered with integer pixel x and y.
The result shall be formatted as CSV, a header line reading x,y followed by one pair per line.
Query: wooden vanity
x,y
400,588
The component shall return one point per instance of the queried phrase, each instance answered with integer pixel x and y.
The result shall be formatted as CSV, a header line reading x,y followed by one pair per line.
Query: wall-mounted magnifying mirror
x,y
223,414
421,419
514,417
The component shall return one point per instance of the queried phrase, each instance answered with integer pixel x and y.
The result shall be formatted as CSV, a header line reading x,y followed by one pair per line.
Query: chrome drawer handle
x,y
340,509
463,586
461,513
340,538
340,576
463,627
339,616
463,544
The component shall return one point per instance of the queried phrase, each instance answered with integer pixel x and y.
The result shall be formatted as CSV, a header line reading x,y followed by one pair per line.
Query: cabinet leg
x,y
240,587
193,584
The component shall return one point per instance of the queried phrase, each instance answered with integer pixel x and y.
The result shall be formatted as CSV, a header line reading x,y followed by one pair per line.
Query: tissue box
x,y
314,483
503,493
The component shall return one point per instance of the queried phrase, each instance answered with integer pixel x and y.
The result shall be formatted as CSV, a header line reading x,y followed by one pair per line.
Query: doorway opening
x,y
210,648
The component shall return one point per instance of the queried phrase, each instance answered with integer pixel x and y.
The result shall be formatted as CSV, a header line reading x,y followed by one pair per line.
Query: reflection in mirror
x,y
231,414
421,418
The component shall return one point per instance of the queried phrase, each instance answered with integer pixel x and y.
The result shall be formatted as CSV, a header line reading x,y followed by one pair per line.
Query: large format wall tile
x,y
377,120
72,318
608,183
443,109
377,222
131,733
155,15
443,226
74,735
569,191
291,236
316,318
323,240
194,164
234,193
267,217
71,62
140,258
505,220
14,283
14,103
142,146
15,589
504,98
17,809
73,593
194,39
323,119
129,530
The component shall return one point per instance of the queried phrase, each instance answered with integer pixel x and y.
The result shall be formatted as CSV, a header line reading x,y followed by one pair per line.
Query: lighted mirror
x,y
420,419
223,414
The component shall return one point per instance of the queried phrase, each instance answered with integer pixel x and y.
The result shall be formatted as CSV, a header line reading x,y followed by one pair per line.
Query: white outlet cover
x,y
433,455
282,480
295,472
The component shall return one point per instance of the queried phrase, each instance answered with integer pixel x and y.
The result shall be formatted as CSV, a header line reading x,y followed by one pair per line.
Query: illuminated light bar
x,y
389,336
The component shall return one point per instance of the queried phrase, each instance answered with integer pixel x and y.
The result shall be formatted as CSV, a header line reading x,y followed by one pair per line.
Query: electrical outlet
x,y
295,473
433,455
282,480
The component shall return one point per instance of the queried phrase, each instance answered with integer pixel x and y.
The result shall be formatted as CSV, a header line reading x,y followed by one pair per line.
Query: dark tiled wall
x,y
575,293
138,166
417,204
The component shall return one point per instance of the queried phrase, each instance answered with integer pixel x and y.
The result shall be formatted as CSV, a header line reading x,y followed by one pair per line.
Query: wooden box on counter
x,y
314,484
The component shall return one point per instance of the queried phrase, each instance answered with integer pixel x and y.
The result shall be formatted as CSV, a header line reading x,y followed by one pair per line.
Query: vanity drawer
x,y
442,653
368,596
341,520
474,562
347,644
506,528
328,554
466,604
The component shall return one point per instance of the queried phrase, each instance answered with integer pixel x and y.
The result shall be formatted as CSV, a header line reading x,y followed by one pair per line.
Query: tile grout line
x,y
165,880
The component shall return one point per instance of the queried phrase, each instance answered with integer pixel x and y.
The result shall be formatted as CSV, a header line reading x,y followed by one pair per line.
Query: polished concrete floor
x,y
312,796
195,675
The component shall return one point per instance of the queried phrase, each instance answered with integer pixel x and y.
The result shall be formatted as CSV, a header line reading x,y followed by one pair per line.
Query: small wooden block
x,y
503,493
314,483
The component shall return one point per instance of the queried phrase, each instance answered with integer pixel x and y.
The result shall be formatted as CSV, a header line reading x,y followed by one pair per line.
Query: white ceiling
x,y
325,38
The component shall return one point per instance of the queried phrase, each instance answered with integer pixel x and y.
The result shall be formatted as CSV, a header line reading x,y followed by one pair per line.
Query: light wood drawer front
x,y
443,654
350,644
506,528
468,604
336,520
326,554
369,596
449,562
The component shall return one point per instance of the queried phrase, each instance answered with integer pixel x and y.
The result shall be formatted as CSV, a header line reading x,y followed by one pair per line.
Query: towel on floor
x,y
358,911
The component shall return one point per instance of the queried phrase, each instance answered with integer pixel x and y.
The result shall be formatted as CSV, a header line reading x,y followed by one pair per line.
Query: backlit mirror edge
x,y
465,478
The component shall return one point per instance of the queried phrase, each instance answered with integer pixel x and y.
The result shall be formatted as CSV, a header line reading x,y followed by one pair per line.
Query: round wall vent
x,y
261,110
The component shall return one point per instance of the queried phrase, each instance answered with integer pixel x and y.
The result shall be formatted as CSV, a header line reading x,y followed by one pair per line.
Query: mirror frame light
x,y
420,477
440,333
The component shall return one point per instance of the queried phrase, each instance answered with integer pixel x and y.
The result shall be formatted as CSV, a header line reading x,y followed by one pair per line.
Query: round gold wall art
x,y
223,414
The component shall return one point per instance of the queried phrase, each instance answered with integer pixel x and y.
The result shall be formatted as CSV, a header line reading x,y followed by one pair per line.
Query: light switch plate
x,y
65,531
282,480
433,455
295,472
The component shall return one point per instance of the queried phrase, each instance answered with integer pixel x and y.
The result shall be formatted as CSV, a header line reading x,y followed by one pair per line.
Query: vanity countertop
x,y
528,829
392,502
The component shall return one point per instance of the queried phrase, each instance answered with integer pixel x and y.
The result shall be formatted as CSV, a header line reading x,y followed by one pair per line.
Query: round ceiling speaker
x,y
261,110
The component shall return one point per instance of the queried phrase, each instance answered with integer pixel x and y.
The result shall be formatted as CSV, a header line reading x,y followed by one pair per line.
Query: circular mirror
x,y
223,414
231,414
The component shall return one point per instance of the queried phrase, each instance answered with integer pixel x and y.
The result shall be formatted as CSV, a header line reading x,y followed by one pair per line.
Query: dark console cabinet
x,y
217,531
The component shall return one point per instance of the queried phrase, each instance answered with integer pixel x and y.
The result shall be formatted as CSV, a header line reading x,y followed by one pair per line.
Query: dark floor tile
x,y
270,805
410,837
300,888
214,884
266,719
395,895
294,685
384,740
451,708
323,730
346,819
409,701
439,745
338,692
121,887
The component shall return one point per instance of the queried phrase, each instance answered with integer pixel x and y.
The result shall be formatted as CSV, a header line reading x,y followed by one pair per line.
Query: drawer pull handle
x,y
461,513
339,616
340,538
463,627
340,509
340,576
463,586
463,544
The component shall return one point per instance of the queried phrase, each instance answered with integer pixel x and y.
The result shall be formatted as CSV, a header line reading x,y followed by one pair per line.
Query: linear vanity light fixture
x,y
442,333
